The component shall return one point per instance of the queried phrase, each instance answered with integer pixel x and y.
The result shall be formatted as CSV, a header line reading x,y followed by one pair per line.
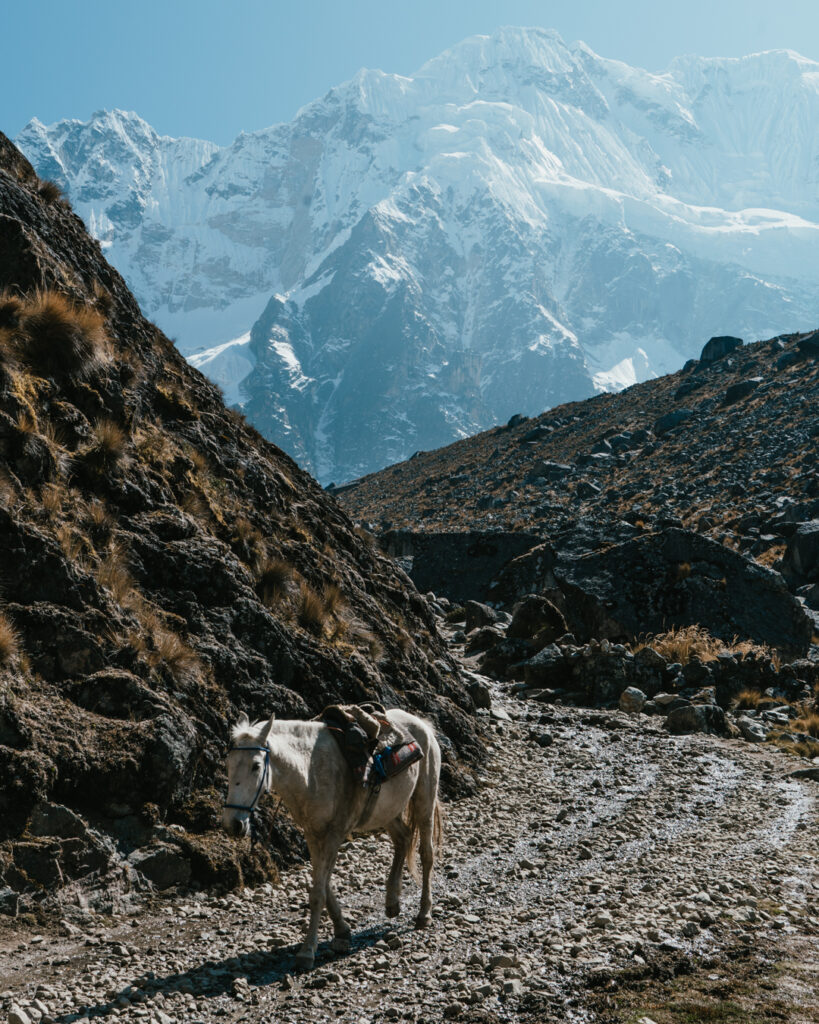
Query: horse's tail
x,y
414,826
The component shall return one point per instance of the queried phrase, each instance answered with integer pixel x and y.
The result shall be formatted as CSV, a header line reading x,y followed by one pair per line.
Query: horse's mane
x,y
246,731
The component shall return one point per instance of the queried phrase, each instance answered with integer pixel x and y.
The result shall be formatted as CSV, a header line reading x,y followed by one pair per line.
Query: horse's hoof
x,y
423,921
393,909
305,961
341,944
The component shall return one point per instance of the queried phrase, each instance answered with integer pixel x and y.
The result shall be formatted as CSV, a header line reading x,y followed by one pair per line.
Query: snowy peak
x,y
414,258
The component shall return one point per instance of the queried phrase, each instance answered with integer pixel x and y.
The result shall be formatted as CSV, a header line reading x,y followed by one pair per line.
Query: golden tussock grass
x,y
11,306
50,191
113,574
106,445
311,613
746,700
273,577
682,643
333,598
59,338
809,723
9,641
52,499
99,520
172,651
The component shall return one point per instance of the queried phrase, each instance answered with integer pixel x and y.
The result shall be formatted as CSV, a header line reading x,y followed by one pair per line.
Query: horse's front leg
x,y
321,862
342,933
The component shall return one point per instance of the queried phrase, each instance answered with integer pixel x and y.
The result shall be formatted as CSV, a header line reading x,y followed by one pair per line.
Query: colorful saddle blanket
x,y
375,748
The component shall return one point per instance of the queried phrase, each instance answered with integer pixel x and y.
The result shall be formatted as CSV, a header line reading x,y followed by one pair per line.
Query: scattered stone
x,y
632,699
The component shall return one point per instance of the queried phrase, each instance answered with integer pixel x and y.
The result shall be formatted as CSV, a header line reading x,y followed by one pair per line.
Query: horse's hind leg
x,y
342,933
426,843
400,835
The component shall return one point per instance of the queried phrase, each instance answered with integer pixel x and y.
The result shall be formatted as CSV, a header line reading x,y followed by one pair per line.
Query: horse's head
x,y
248,772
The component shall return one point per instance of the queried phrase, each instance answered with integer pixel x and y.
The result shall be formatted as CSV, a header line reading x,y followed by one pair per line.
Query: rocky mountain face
x,y
692,499
520,223
162,568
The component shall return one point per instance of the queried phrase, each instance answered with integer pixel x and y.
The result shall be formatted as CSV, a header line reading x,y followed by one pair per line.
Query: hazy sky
x,y
212,68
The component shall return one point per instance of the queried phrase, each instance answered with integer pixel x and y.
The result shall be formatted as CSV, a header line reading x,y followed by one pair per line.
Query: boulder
x,y
632,699
752,731
548,668
671,420
740,390
706,718
719,347
480,694
801,559
809,346
534,615
478,614
679,578
163,865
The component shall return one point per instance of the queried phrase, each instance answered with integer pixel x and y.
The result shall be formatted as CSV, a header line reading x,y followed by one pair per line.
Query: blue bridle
x,y
243,807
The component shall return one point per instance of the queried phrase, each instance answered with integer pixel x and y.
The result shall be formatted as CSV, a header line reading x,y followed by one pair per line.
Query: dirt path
x,y
604,872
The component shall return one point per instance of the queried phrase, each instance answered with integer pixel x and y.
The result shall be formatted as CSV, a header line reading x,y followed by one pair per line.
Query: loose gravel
x,y
595,841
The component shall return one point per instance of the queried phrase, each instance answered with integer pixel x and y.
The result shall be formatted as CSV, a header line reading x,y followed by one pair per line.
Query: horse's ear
x,y
243,722
266,730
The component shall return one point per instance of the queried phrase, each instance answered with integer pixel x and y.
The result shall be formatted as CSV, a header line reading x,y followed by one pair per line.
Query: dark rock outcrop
x,y
679,578
163,569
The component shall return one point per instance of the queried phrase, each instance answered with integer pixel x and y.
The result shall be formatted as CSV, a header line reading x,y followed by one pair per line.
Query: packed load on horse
x,y
304,763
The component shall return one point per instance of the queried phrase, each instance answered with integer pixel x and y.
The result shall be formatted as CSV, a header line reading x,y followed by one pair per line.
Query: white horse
x,y
302,763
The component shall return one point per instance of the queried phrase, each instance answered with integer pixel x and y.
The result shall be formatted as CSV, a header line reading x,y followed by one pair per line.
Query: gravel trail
x,y
596,843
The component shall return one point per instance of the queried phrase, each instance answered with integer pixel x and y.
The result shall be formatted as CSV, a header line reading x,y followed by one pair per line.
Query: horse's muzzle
x,y
235,826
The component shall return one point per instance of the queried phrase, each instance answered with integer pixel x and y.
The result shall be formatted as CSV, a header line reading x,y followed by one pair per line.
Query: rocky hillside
x,y
700,489
161,568
520,223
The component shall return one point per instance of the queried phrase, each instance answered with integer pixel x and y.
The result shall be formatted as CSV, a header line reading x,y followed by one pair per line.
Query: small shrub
x,y
273,576
9,641
311,613
60,339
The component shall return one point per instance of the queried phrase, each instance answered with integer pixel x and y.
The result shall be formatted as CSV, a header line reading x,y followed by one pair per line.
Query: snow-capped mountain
x,y
519,223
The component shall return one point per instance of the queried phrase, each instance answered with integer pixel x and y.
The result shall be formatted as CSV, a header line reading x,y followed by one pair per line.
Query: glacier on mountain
x,y
412,259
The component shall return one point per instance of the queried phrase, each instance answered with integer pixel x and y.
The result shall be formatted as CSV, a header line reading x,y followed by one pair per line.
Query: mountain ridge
x,y
518,223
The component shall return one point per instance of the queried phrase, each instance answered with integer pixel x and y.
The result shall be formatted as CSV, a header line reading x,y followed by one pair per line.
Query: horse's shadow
x,y
215,978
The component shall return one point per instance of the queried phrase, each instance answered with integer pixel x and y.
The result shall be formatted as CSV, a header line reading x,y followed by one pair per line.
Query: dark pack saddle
x,y
374,747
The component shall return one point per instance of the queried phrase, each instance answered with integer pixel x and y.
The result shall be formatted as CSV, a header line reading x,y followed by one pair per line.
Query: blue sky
x,y
212,68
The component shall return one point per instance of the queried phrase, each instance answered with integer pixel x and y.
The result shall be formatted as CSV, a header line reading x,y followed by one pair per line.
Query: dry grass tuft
x,y
99,520
52,498
9,641
113,574
683,643
809,723
106,445
273,576
334,600
311,613
50,191
172,651
11,306
60,339
746,700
